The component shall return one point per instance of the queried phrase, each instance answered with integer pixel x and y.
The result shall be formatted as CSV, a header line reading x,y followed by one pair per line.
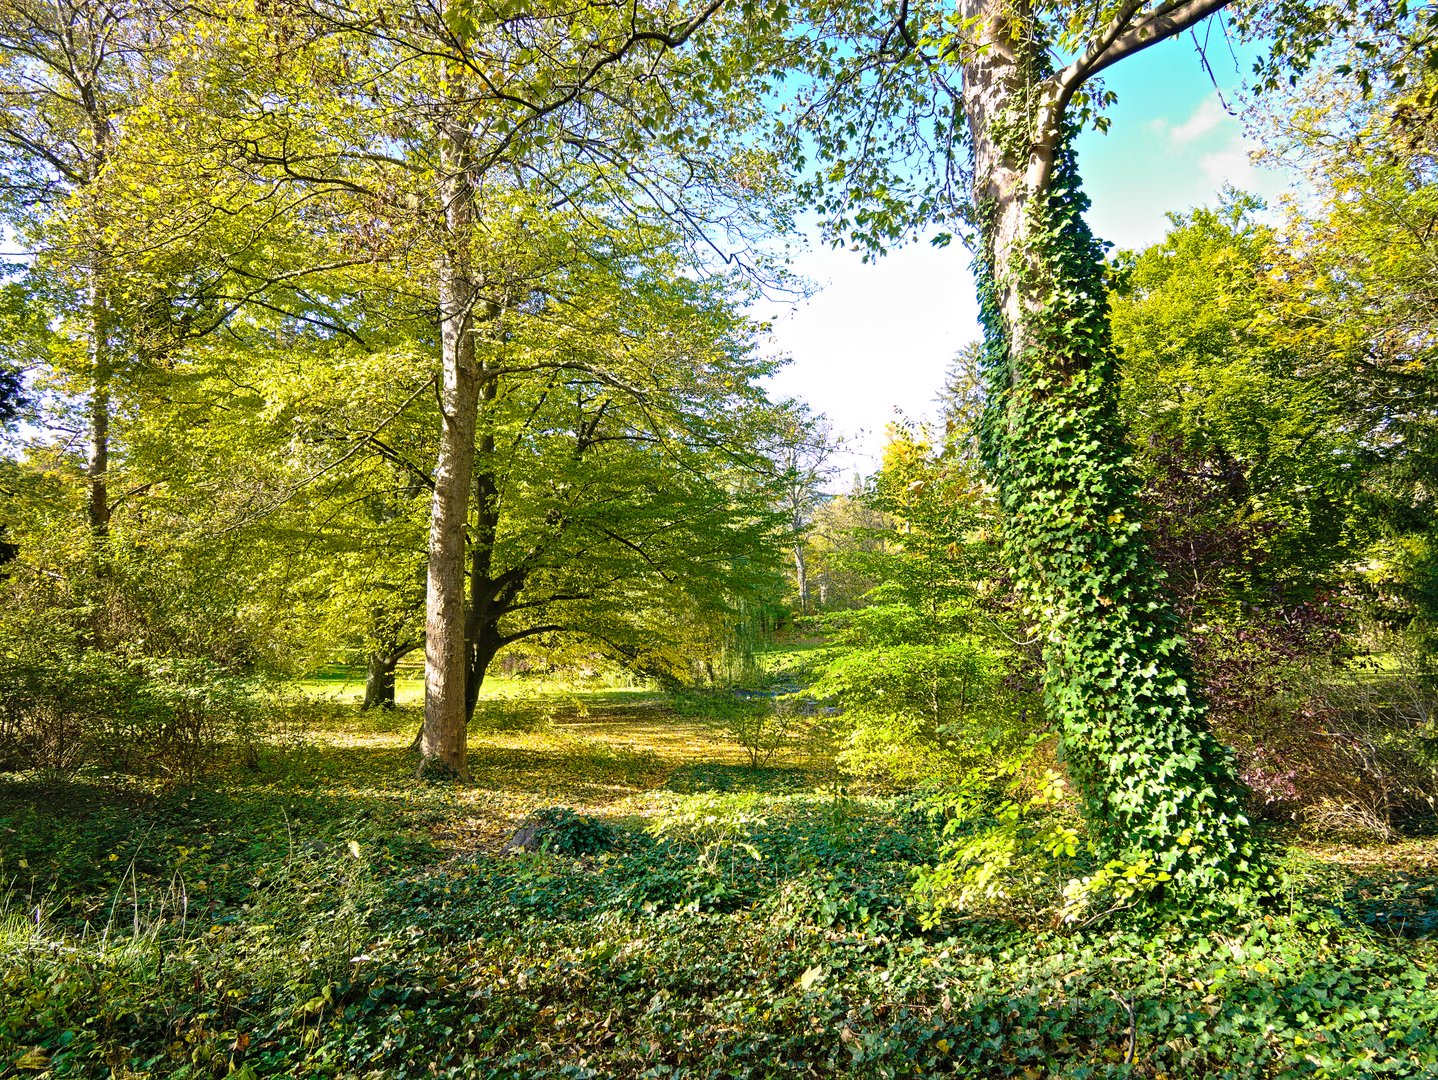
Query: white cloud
x,y
873,343
1209,115
1230,165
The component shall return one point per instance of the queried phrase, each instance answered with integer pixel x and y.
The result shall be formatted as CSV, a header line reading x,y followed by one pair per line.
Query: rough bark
x,y
379,683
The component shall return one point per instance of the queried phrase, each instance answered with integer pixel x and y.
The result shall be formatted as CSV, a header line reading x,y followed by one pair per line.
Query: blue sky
x,y
874,342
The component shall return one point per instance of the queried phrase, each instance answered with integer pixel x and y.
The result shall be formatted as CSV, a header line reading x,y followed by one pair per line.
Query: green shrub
x,y
173,718
761,725
59,713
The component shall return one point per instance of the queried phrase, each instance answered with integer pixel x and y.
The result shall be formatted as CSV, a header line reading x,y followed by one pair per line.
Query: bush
x,y
1378,755
57,713
761,725
1344,754
566,832
61,712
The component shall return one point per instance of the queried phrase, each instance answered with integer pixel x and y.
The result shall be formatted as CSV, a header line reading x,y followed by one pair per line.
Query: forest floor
x,y
325,914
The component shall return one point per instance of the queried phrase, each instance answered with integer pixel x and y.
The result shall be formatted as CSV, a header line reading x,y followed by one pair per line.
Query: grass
x,y
345,685
326,914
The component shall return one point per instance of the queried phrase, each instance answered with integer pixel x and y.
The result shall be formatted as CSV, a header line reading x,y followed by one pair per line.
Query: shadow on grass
x,y
86,848
78,845
578,769
705,777
1402,905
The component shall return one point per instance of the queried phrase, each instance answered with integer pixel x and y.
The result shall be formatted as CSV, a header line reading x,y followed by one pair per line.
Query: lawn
x,y
325,914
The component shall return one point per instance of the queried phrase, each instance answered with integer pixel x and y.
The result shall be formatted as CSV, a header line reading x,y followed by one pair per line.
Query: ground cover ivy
x,y
759,933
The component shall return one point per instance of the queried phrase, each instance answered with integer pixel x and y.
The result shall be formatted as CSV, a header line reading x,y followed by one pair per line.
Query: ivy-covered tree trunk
x,y
1158,787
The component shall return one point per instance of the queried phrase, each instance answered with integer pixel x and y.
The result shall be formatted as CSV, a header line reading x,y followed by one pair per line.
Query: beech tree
x,y
442,134
1136,739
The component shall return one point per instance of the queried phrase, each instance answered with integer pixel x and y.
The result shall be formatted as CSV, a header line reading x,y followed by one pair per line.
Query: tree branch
x,y
1121,38
545,628
1164,22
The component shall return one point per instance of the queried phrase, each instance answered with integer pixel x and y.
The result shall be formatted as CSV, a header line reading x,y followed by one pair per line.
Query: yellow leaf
x,y
34,1060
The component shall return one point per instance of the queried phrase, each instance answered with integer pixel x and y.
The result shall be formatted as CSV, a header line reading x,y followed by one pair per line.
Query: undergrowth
x,y
322,918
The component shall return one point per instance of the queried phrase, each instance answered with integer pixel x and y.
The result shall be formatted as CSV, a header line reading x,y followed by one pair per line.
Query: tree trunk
x,y
481,656
97,451
1158,787
97,457
379,681
97,463
443,750
380,676
801,577
489,596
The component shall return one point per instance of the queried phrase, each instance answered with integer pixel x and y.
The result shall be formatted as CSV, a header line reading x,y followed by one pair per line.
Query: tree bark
x,y
488,598
379,681
443,749
97,457
801,577
1159,788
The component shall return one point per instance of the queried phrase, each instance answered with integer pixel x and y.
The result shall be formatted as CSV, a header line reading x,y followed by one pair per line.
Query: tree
x,y
1352,292
845,528
445,134
1249,462
24,341
621,469
1120,682
803,455
68,72
1159,789
618,499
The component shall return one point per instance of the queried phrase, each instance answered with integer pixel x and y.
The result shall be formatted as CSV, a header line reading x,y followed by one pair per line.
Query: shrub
x,y
61,712
195,711
1377,754
1342,752
761,725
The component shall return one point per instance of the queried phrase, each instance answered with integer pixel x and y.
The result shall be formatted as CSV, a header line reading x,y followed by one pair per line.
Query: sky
x,y
872,344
